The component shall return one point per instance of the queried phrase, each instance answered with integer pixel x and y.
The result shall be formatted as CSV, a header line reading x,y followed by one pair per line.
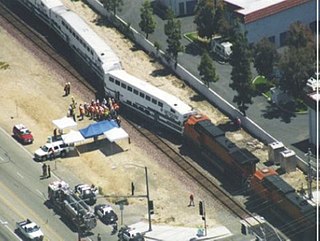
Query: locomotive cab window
x,y
154,101
141,94
111,79
135,91
160,104
172,110
123,85
148,97
130,88
117,82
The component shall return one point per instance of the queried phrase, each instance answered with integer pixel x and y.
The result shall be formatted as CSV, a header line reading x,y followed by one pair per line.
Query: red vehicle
x,y
22,134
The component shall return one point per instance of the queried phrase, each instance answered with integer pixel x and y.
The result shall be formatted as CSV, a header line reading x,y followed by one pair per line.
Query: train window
x,y
135,91
130,88
141,94
111,79
74,35
63,24
148,97
123,85
117,82
154,101
172,110
160,104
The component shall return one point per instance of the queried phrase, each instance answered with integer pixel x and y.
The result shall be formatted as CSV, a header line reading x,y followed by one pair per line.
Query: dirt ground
x,y
34,96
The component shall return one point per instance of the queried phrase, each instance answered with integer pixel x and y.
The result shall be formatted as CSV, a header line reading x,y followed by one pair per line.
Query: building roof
x,y
252,10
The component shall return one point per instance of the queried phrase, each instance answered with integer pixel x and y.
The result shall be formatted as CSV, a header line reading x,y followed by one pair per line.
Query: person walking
x,y
98,237
66,89
49,171
191,201
44,170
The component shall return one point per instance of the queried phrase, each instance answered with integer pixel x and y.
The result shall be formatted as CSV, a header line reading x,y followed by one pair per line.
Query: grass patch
x,y
193,37
261,85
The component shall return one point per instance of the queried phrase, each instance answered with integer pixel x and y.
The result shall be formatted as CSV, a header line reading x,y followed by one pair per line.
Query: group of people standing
x,y
107,109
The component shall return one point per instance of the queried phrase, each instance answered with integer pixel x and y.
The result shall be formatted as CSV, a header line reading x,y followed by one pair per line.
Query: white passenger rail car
x,y
148,100
77,34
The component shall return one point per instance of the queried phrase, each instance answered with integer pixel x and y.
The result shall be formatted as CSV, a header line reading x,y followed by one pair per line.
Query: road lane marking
x,y
1,158
11,231
18,173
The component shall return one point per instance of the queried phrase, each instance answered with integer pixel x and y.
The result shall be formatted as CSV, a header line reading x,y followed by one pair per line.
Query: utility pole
x,y
148,198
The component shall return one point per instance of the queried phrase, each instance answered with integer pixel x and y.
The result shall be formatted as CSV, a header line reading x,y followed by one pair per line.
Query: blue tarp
x,y
97,129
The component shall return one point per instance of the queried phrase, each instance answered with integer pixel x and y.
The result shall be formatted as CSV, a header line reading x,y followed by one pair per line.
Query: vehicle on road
x,y
105,213
66,203
52,150
87,193
127,234
30,230
22,134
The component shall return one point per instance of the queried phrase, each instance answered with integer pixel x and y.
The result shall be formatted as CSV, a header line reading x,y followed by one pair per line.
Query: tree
x,y
265,57
297,63
220,24
173,31
299,35
147,23
113,5
241,72
206,69
204,18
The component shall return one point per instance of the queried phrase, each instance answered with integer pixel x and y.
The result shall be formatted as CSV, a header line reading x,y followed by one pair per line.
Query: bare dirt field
x,y
32,94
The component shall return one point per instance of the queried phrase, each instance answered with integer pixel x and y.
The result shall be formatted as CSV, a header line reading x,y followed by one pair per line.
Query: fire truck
x,y
68,204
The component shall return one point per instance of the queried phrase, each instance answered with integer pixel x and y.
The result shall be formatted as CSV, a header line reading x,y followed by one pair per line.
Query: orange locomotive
x,y
235,162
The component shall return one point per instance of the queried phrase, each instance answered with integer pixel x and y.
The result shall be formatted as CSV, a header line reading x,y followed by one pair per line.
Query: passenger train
x,y
144,98
237,163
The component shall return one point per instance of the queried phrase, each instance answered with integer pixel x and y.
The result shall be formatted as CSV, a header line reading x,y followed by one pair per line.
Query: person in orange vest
x,y
81,110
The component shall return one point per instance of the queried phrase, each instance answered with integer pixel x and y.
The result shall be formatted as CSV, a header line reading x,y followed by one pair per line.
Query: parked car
x,y
22,134
52,150
30,230
105,213
86,193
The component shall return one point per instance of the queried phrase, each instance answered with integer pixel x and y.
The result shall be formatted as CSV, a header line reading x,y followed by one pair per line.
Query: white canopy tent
x,y
116,134
72,137
64,122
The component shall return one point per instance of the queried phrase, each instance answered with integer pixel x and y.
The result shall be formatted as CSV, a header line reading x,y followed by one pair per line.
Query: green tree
x,y
207,70
113,5
147,23
220,24
204,18
172,30
299,36
297,63
241,73
265,57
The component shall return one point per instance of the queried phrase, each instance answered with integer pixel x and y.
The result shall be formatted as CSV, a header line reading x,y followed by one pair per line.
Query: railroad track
x,y
236,208
40,42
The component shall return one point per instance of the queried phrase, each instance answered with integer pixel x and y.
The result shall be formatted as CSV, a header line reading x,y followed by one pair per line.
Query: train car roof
x,y
277,183
207,127
303,205
226,144
243,156
90,37
52,3
174,102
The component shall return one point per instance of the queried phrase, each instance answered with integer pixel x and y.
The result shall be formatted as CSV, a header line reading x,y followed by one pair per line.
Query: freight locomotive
x,y
237,163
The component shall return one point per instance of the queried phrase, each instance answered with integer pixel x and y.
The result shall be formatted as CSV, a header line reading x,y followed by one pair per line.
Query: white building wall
x,y
276,24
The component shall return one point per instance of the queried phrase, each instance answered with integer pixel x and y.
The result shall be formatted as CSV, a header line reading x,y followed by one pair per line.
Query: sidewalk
x,y
167,233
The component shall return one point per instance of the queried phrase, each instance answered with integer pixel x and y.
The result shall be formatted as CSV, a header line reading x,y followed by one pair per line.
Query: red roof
x,y
270,10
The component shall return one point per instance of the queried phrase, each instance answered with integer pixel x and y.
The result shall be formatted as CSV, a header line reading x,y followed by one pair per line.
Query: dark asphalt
x,y
291,129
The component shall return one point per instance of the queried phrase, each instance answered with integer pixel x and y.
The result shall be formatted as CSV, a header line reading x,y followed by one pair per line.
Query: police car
x,y
86,193
128,234
106,214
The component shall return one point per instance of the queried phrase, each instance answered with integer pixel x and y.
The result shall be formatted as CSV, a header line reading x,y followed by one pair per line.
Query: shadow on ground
x,y
161,72
194,49
274,112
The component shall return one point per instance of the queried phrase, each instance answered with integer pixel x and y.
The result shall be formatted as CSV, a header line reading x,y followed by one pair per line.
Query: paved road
x,y
291,129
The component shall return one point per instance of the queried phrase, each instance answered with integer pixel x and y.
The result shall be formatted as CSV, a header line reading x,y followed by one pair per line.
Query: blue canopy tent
x,y
97,129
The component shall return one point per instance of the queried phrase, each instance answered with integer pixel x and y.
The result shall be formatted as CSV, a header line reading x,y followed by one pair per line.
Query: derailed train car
x,y
237,163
